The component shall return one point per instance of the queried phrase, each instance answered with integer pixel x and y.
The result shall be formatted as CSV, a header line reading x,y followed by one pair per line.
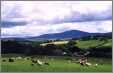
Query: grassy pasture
x,y
57,64
93,43
84,44
60,63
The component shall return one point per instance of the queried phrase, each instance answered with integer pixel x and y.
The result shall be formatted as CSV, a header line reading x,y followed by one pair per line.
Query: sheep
x,y
45,60
19,58
3,60
11,60
81,63
84,62
34,61
39,62
27,58
88,64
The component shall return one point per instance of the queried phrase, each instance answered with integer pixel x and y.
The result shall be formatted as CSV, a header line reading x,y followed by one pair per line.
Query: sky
x,y
34,18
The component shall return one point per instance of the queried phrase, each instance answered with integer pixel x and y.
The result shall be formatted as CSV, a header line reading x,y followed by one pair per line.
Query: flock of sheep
x,y
34,61
83,61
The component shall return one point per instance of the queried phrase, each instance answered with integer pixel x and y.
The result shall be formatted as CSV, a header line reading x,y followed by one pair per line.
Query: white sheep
x,y
19,58
26,58
39,62
88,64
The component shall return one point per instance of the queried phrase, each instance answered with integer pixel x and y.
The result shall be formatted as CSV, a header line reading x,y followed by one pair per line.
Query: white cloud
x,y
36,30
49,10
40,14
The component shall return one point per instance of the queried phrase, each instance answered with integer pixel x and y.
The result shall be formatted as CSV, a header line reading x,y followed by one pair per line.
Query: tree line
x,y
34,48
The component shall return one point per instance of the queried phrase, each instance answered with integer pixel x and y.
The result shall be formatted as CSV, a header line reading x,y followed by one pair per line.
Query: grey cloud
x,y
74,16
8,24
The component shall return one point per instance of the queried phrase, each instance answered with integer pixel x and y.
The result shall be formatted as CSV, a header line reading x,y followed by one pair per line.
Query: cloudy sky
x,y
34,18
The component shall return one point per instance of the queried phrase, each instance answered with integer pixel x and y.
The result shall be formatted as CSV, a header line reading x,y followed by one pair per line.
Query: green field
x,y
57,64
92,43
84,44
62,63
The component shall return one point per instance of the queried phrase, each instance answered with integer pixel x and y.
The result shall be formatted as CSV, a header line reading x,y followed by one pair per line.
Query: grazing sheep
x,y
11,60
88,64
34,61
81,63
3,60
19,58
45,60
39,62
27,58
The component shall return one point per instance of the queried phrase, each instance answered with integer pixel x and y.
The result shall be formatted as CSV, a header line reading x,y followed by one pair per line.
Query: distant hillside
x,y
71,34
63,35
66,34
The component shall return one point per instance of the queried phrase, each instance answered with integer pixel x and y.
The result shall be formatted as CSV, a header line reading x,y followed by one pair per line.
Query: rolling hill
x,y
70,34
63,35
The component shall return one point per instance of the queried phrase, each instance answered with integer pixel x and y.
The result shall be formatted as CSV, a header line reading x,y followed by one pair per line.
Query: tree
x,y
71,47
